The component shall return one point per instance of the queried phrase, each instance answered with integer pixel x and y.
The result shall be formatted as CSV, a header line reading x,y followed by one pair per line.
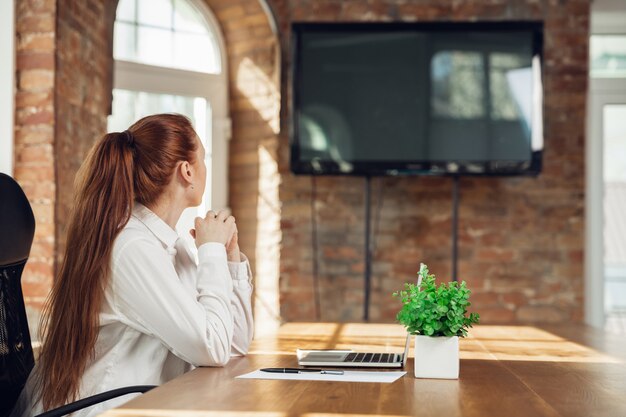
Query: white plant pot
x,y
437,357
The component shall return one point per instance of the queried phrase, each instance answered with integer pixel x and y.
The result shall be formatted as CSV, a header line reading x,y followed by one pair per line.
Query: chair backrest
x,y
17,228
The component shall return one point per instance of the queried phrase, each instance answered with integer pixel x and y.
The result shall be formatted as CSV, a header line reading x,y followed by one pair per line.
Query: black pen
x,y
300,371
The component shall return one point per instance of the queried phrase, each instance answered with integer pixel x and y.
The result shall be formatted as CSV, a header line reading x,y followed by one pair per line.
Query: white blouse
x,y
165,313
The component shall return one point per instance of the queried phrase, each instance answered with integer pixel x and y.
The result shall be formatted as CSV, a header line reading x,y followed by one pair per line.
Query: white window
x,y
170,58
607,55
605,166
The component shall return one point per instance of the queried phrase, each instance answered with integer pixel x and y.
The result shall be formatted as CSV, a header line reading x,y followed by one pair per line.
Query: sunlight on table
x,y
484,342
189,413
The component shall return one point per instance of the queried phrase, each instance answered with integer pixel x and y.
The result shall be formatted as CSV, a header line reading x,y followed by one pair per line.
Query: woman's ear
x,y
186,172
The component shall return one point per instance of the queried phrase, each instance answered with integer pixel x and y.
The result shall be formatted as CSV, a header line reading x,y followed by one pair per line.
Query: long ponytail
x,y
122,167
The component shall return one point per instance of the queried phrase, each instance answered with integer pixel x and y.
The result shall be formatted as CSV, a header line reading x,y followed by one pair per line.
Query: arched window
x,y
170,57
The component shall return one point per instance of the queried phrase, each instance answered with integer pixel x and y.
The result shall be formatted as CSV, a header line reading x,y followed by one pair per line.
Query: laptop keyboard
x,y
371,357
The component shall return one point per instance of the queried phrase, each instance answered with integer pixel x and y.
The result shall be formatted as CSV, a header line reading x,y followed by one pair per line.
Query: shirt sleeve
x,y
241,306
149,294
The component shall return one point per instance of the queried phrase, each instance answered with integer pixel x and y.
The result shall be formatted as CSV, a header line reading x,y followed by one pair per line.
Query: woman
x,y
130,305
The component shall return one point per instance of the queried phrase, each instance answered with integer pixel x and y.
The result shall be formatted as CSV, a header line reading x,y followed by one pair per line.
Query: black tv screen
x,y
417,98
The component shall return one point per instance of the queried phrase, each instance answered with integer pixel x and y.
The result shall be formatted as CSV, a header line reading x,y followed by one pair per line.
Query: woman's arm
x,y
241,306
149,294
241,298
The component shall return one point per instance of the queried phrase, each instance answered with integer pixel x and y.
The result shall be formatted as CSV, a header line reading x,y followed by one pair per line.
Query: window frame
x,y
141,77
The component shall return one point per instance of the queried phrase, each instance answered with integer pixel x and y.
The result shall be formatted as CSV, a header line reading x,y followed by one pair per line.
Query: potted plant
x,y
437,316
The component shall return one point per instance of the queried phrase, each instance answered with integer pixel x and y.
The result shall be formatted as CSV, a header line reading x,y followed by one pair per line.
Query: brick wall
x,y
521,239
62,101
83,92
34,140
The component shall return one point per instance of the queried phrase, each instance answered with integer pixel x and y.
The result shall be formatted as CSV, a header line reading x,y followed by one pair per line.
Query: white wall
x,y
608,16
7,84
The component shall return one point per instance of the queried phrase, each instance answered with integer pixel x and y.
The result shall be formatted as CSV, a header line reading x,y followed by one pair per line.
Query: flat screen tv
x,y
417,98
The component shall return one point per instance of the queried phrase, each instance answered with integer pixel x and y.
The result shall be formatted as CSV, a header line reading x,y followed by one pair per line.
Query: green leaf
x,y
435,310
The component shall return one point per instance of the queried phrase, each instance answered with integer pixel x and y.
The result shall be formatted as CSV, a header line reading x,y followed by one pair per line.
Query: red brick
x,y
495,255
34,60
28,135
36,79
35,23
36,289
25,173
33,99
493,315
41,250
37,273
341,252
40,191
35,154
44,212
575,256
258,19
422,12
480,299
36,42
30,117
516,299
25,7
231,13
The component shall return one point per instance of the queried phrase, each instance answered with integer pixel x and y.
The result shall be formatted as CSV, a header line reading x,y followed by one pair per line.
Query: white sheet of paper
x,y
348,376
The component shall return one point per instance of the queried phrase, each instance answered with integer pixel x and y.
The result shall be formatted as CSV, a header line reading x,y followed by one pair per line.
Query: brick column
x,y
253,53
63,98
34,141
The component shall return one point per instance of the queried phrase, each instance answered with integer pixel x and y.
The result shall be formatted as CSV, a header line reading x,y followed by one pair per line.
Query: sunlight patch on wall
x,y
261,91
267,305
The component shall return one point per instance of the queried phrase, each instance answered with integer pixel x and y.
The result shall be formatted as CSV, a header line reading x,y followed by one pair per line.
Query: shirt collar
x,y
155,224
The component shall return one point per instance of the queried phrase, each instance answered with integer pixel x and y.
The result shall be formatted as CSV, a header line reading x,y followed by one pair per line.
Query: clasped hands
x,y
218,227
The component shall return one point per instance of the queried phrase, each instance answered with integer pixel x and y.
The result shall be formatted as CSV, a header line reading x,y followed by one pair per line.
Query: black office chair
x,y
17,228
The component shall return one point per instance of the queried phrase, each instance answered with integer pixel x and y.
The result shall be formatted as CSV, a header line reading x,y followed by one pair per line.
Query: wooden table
x,y
506,371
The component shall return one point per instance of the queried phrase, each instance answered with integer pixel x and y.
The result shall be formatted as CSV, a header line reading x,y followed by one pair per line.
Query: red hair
x,y
135,165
